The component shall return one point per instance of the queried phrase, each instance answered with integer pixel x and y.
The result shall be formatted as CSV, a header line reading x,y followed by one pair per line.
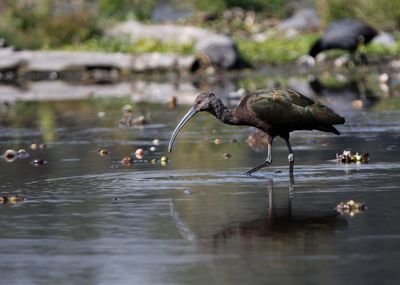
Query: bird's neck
x,y
316,48
224,114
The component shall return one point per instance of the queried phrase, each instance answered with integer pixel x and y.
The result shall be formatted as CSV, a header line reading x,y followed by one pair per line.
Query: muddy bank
x,y
28,64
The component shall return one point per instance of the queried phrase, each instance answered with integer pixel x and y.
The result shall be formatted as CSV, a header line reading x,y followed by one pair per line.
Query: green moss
x,y
277,50
392,103
282,50
124,45
383,15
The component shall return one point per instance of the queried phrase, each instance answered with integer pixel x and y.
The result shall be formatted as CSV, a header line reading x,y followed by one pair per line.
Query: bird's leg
x,y
363,58
362,51
267,161
290,156
351,65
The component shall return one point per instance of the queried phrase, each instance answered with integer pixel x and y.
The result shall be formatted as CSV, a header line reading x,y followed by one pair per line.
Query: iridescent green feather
x,y
270,105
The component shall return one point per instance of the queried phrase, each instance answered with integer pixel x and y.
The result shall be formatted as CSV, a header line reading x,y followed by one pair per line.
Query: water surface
x,y
88,219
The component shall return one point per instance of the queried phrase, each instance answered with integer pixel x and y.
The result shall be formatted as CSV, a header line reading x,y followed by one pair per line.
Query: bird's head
x,y
204,102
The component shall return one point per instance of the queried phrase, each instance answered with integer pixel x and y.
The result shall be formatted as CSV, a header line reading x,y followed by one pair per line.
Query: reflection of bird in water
x,y
353,94
280,221
345,34
276,112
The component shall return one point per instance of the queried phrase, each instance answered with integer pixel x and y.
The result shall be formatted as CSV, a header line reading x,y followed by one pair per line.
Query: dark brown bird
x,y
277,112
345,34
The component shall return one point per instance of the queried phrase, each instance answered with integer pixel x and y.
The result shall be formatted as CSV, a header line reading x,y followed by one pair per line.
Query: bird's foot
x,y
248,173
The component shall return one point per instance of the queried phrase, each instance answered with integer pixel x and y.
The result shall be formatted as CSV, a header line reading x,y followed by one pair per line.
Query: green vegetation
x,y
270,8
384,14
37,26
124,45
281,50
125,9
44,24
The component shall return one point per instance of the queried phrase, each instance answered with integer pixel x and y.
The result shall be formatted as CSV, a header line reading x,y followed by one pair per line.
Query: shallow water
x,y
87,219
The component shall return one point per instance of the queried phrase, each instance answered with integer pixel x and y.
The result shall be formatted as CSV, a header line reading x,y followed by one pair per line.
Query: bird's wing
x,y
290,108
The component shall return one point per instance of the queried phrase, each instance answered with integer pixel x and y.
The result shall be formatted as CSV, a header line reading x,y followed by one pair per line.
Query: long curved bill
x,y
183,121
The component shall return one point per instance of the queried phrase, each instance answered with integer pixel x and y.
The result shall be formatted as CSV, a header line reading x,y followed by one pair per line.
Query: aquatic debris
x,y
127,160
258,141
141,120
350,207
348,157
102,151
172,102
164,160
152,148
36,146
101,114
153,161
218,141
139,153
11,199
127,108
128,118
188,192
38,162
22,153
357,104
156,142
10,155
227,155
